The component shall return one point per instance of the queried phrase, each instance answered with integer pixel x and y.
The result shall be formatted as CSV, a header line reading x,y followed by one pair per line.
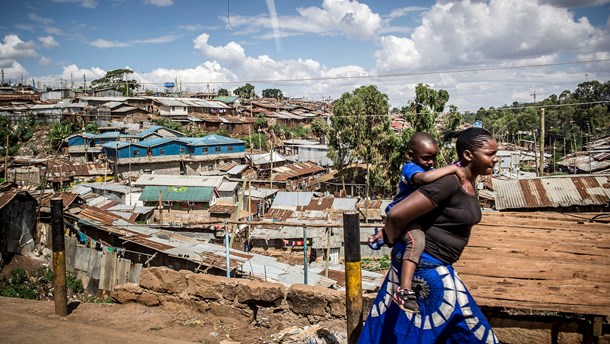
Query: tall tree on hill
x,y
273,93
246,91
423,114
360,133
117,79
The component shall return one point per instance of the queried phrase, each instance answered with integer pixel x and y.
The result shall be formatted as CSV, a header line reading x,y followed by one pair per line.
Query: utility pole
x,y
6,160
534,95
542,142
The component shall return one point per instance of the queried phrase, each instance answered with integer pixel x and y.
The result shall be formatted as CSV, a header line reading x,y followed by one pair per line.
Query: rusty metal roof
x,y
7,196
69,169
222,209
66,197
552,192
296,170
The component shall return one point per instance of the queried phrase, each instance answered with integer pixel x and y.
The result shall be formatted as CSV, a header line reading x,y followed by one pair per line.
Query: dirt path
x,y
29,321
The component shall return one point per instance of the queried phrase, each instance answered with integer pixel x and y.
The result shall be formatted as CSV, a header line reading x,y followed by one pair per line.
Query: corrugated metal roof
x,y
235,170
113,187
292,199
265,158
296,170
552,192
177,193
171,180
228,186
212,140
205,253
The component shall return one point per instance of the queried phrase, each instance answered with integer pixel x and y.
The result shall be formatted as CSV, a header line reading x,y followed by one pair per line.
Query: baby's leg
x,y
415,240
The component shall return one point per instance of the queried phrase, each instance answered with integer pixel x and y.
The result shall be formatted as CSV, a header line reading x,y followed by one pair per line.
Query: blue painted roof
x,y
108,135
113,145
155,141
213,139
87,135
149,130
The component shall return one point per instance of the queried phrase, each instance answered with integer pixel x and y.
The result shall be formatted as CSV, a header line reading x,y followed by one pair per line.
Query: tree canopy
x,y
273,93
223,92
117,79
246,91
361,133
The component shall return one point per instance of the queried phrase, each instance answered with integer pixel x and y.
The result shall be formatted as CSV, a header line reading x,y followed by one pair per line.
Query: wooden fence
x,y
100,271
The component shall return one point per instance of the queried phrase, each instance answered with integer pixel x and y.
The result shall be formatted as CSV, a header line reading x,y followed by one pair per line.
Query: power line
x,y
381,76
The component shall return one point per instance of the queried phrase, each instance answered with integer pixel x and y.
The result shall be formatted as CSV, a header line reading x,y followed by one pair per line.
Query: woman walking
x,y
446,210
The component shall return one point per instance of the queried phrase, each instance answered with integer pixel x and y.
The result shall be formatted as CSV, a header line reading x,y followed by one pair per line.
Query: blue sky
x,y
485,53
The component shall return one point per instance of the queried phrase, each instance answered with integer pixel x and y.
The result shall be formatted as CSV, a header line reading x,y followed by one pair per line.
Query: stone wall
x,y
264,302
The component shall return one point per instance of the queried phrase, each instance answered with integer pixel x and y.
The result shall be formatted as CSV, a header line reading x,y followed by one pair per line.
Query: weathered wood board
x,y
539,261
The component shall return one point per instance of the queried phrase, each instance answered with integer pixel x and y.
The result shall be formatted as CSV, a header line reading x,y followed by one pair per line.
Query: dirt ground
x,y
32,321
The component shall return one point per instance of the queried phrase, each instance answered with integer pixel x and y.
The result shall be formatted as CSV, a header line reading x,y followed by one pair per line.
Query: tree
x,y
92,128
319,128
58,133
168,123
422,114
117,79
223,92
361,133
246,91
272,93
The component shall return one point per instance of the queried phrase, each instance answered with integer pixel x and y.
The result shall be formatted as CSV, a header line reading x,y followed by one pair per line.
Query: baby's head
x,y
422,150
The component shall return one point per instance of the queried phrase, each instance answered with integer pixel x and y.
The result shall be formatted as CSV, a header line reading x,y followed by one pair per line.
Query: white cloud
x,y
161,3
350,17
45,61
474,33
25,27
103,43
39,20
194,27
13,71
156,40
83,3
48,41
575,3
74,72
335,17
14,48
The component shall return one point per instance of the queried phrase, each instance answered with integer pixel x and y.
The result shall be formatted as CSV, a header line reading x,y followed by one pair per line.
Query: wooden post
x,y
305,263
6,160
541,142
353,275
60,291
160,207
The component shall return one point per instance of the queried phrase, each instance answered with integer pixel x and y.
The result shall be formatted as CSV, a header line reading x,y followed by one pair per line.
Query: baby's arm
x,y
427,177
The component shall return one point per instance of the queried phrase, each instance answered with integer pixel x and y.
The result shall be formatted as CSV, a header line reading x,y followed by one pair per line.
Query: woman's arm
x,y
407,210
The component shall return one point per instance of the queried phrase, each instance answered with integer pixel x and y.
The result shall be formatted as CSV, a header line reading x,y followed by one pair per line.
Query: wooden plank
x,y
134,274
107,270
81,259
123,267
70,247
539,261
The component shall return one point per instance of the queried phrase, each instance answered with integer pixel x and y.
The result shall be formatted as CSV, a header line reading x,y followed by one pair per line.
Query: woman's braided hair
x,y
471,139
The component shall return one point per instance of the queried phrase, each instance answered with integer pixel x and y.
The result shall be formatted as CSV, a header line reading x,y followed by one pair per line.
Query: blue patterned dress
x,y
448,313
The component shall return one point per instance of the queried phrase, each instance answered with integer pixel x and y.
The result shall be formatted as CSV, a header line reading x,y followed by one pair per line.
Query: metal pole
x,y
227,250
541,165
305,254
353,275
60,291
